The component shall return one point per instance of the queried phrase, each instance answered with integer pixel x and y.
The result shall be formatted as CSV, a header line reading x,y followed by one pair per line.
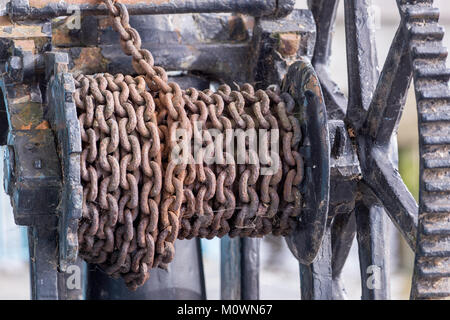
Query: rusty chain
x,y
138,198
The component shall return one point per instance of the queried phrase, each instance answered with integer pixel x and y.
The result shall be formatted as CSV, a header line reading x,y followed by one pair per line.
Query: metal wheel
x,y
371,115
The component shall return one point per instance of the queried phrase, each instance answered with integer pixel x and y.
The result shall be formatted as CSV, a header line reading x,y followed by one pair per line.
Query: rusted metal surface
x,y
22,46
10,30
212,44
219,46
289,44
63,118
43,3
280,43
45,9
236,29
364,183
127,153
36,183
89,59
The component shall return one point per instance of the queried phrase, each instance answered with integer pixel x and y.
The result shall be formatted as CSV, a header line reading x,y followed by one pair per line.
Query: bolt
x,y
68,96
38,164
339,143
289,44
14,67
29,146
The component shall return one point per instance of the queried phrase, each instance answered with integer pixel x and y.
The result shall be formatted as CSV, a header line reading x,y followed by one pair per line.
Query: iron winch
x,y
92,140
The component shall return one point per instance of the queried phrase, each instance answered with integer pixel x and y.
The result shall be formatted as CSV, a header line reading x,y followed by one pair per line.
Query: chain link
x,y
138,198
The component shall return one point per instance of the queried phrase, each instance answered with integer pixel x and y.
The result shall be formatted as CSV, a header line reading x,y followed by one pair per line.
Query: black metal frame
x,y
359,134
231,52
23,10
372,114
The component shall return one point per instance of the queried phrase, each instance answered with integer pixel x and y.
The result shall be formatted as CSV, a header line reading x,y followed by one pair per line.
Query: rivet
x,y
38,164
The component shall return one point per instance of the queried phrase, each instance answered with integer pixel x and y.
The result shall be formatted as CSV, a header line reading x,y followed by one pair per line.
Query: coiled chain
x,y
139,198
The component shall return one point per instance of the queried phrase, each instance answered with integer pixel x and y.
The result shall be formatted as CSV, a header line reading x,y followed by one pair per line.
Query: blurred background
x,y
279,270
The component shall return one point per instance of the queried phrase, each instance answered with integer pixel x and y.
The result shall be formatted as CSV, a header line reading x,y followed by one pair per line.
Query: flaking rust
x,y
148,199
19,31
289,44
90,60
113,133
44,3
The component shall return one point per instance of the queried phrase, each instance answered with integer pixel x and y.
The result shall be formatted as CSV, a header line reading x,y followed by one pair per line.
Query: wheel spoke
x,y
343,232
335,100
316,278
324,12
250,248
361,60
388,186
389,97
372,235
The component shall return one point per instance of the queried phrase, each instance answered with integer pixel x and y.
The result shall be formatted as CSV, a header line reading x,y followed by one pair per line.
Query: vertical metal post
x,y
316,279
71,283
239,268
373,251
230,268
250,268
43,263
47,282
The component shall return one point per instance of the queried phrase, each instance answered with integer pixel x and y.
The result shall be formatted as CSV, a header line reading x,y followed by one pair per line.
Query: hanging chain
x,y
139,197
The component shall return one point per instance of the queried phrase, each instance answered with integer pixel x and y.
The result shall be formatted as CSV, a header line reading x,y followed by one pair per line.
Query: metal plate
x,y
302,83
63,116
